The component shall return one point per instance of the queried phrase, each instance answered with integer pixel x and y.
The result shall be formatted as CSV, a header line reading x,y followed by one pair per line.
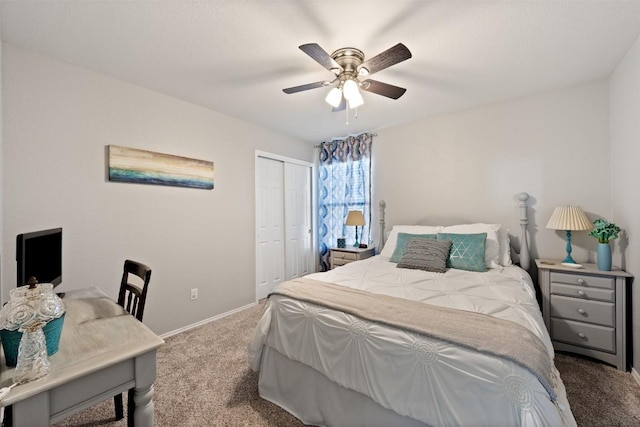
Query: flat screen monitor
x,y
39,255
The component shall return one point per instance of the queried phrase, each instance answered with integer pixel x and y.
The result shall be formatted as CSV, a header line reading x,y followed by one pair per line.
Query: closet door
x,y
270,249
297,199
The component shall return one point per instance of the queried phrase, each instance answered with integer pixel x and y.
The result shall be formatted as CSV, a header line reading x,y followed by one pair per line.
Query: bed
x,y
373,343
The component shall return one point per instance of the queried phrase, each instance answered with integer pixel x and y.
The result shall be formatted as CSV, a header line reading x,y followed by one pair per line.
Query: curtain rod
x,y
342,138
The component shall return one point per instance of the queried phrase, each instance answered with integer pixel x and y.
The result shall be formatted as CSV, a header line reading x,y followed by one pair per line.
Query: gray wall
x,y
59,118
625,153
471,164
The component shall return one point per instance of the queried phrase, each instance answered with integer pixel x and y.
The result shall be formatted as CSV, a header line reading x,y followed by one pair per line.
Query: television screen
x,y
39,255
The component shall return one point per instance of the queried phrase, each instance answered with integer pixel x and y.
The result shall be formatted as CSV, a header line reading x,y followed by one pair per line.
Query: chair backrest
x,y
131,297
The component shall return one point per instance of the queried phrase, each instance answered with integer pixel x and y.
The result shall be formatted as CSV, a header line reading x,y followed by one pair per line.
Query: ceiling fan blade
x,y
384,89
389,57
341,107
308,86
319,55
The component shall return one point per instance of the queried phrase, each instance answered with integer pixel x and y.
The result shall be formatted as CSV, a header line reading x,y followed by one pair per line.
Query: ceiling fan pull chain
x,y
346,110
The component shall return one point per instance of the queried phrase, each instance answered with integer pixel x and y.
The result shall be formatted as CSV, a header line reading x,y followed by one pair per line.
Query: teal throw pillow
x,y
402,243
467,251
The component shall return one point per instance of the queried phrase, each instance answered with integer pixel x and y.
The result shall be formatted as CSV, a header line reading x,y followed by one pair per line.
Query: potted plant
x,y
604,231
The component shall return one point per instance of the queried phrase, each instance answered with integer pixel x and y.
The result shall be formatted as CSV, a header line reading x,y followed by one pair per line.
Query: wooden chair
x,y
132,298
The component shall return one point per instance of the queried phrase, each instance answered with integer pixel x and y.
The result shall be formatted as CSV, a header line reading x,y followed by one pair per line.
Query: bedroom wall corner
x,y
58,120
625,174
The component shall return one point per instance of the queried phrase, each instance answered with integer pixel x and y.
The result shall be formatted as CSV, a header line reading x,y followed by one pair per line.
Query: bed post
x,y
382,206
525,259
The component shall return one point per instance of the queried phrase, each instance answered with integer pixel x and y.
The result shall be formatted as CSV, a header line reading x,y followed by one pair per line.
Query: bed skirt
x,y
323,403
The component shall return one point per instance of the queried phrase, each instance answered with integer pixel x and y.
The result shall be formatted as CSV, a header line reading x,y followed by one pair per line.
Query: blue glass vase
x,y
604,257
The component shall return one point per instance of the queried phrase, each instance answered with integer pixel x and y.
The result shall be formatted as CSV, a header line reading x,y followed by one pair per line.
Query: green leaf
x,y
604,231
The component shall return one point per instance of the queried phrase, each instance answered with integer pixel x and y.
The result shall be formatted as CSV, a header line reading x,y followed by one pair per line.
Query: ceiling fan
x,y
349,67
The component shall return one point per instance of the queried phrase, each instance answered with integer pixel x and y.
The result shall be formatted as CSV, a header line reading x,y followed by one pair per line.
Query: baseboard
x,y
209,320
635,375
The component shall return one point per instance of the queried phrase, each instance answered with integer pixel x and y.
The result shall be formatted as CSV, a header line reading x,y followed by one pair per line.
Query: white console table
x,y
103,351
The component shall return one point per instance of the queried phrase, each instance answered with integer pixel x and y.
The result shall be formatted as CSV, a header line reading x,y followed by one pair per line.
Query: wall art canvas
x,y
148,167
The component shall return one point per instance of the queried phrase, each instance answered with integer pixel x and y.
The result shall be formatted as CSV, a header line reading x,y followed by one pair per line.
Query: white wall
x,y
472,164
58,119
625,176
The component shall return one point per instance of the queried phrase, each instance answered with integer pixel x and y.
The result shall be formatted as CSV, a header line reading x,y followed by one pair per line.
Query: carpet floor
x,y
204,380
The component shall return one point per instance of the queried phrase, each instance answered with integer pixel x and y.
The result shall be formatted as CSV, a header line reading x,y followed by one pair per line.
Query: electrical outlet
x,y
194,294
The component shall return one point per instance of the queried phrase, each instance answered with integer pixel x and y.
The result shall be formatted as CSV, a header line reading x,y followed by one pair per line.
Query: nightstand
x,y
585,310
342,256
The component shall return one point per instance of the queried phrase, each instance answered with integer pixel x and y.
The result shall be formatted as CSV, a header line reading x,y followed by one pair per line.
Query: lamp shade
x,y
569,218
334,97
356,100
355,218
350,88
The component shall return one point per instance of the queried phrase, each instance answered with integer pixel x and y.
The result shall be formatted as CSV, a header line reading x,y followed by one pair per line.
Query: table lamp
x,y
357,219
30,308
569,218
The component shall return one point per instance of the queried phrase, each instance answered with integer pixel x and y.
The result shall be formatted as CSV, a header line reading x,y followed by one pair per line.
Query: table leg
x,y
143,412
145,373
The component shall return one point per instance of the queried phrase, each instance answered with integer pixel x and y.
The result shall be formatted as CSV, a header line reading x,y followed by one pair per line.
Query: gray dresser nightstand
x,y
342,256
585,310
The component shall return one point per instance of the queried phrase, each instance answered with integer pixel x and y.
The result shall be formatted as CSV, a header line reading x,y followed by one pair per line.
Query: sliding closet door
x,y
284,244
297,199
270,225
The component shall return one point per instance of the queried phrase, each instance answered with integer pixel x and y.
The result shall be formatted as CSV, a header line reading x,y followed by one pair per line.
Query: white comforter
x,y
432,381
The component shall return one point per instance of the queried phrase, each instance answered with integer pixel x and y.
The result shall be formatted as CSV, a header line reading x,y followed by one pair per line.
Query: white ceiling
x,y
235,56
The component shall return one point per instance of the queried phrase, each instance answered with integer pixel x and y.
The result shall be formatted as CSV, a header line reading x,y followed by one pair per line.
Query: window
x,y
344,183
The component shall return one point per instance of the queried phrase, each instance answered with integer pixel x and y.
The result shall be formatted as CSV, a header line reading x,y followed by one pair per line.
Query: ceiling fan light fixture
x,y
349,67
334,97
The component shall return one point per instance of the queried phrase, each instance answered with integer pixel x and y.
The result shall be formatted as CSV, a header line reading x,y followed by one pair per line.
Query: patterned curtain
x,y
344,185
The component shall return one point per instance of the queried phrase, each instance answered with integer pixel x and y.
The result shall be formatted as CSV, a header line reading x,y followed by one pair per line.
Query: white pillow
x,y
492,244
505,247
390,244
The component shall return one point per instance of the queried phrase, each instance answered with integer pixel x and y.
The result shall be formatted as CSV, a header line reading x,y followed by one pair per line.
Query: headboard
x,y
523,255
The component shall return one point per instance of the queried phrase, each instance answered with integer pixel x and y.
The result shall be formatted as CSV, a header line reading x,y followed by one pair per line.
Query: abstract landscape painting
x,y
147,167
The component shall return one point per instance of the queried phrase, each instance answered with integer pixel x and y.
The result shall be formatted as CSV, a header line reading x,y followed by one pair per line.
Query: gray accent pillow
x,y
402,243
426,254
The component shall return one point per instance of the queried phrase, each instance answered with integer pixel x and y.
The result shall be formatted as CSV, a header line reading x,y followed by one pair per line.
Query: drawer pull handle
x,y
581,311
581,281
581,293
581,335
